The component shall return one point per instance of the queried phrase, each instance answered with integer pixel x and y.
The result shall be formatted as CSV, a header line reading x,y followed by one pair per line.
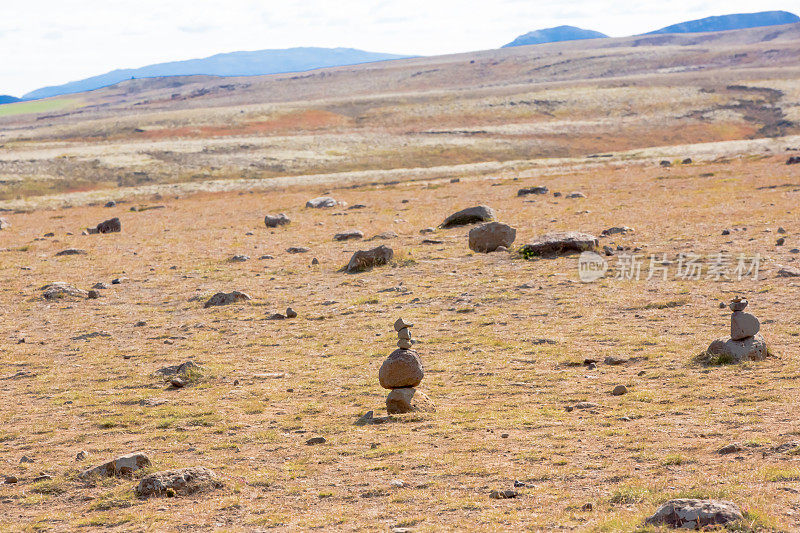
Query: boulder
x,y
112,225
403,368
532,190
489,237
226,298
273,221
560,243
695,514
60,290
407,400
727,350
320,202
181,481
124,465
366,259
471,215
348,235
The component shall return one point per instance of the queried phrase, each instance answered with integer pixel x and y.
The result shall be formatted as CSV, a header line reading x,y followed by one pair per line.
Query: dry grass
x,y
506,366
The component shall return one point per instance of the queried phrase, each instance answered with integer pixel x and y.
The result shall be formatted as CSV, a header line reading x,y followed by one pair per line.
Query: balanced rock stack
x,y
402,372
744,342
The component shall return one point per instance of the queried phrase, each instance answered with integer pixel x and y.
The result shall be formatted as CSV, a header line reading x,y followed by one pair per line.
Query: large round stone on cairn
x,y
402,368
744,342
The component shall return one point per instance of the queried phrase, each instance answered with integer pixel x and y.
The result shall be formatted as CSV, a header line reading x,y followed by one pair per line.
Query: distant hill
x,y
6,99
554,35
731,22
231,64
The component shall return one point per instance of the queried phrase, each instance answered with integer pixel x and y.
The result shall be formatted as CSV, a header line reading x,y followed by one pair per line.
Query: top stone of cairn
x,y
401,324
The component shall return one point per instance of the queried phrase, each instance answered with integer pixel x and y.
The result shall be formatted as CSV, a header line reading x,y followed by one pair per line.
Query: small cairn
x,y
744,342
401,373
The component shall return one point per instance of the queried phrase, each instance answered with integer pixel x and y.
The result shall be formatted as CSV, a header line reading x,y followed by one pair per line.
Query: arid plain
x,y
195,164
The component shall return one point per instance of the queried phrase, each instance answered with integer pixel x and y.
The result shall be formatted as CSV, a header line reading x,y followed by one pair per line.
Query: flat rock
x,y
273,221
575,195
226,298
4,223
403,368
616,230
407,400
239,258
385,236
489,237
348,235
736,351
695,514
71,251
560,243
182,481
734,447
366,259
121,466
532,190
471,215
321,201
298,250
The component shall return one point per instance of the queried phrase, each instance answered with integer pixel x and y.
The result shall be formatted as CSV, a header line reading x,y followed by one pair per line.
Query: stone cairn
x,y
744,342
401,373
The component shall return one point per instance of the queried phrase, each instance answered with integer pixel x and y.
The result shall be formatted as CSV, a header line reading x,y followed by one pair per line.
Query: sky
x,y
50,42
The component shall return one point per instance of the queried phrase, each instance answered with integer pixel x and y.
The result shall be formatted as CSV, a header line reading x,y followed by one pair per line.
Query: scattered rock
x,y
4,223
503,494
575,195
43,477
687,161
182,481
266,256
616,230
239,258
121,466
726,232
81,455
276,316
226,298
71,251
425,231
315,440
298,250
560,243
665,163
793,160
111,203
780,242
320,202
315,261
385,236
60,290
619,390
532,190
407,400
273,221
25,459
695,514
356,206
585,405
403,368
781,230
112,225
184,369
93,294
177,383
348,235
587,506
291,313
788,272
489,237
366,259
10,480
614,360
734,447
471,215
100,285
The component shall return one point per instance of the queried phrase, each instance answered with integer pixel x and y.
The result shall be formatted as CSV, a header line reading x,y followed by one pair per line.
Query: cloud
x,y
197,28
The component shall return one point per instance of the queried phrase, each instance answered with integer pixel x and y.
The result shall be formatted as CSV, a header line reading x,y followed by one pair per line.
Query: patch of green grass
x,y
37,106
668,304
775,474
628,495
